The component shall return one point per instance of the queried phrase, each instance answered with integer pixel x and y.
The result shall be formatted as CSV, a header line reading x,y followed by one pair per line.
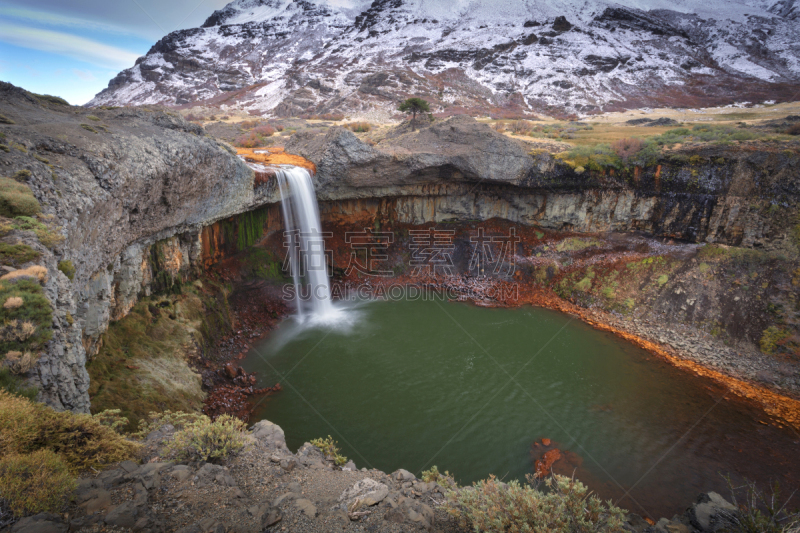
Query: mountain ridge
x,y
284,57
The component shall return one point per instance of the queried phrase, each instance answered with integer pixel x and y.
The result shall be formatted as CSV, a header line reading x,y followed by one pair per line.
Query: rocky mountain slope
x,y
287,57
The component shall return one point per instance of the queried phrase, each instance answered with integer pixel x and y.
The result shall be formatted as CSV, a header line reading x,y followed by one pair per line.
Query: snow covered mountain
x,y
295,57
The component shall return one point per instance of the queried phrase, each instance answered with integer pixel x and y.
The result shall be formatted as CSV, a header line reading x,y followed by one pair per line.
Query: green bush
x,y
446,479
80,440
5,120
771,337
67,268
17,254
88,128
16,385
39,482
567,507
209,441
330,449
16,199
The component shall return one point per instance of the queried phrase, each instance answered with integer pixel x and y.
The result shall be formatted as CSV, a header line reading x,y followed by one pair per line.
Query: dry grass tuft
x,y
13,302
36,272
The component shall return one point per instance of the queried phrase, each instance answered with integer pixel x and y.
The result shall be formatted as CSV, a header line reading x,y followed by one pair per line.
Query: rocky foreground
x,y
269,488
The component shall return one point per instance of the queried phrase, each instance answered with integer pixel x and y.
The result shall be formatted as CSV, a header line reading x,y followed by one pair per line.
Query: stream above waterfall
x,y
412,384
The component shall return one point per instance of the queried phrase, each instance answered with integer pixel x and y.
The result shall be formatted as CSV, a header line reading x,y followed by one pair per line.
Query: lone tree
x,y
413,106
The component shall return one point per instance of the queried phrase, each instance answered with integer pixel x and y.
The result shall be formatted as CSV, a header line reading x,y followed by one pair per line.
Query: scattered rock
x,y
208,525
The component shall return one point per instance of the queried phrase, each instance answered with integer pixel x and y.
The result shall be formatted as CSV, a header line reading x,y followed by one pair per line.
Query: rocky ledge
x,y
269,488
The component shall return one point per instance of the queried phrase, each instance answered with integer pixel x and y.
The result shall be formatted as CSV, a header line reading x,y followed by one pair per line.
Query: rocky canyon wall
x,y
142,199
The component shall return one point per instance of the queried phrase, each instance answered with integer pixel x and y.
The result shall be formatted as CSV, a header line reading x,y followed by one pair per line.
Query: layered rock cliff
x,y
114,181
460,169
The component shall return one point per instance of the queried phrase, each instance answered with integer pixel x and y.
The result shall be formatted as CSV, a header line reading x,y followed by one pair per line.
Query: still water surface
x,y
413,384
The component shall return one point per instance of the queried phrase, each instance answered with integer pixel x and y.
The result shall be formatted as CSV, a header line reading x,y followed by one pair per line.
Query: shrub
x,y
521,127
88,128
359,127
662,280
177,419
772,337
93,117
209,441
112,418
80,440
264,131
759,512
16,199
331,451
446,479
248,141
17,254
626,148
567,507
5,120
39,482
794,129
67,268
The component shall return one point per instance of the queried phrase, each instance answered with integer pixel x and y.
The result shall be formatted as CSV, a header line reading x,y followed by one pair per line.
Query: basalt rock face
x,y
459,169
114,183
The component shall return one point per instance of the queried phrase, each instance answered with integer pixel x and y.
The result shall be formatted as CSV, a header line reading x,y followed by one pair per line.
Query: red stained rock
x,y
544,466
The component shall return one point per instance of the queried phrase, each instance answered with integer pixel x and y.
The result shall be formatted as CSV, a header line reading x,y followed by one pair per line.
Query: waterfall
x,y
305,242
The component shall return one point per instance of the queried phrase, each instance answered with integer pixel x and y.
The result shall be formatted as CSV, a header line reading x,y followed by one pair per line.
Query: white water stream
x,y
305,242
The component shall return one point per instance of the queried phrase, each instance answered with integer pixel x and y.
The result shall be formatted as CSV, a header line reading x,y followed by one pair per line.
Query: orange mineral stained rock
x,y
544,466
546,442
274,155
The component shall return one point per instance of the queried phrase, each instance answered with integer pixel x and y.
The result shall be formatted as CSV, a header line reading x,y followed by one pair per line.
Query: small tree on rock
x,y
412,106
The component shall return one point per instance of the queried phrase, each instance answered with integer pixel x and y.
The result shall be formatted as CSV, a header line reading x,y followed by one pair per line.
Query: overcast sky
x,y
73,48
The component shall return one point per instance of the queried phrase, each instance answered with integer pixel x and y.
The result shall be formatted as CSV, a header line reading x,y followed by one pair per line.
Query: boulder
x,y
711,512
271,435
363,493
403,475
306,507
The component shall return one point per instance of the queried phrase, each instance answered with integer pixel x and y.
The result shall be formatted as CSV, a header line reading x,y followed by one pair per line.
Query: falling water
x,y
306,245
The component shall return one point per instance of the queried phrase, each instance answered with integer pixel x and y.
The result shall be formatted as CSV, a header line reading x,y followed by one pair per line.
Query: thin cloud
x,y
85,75
68,45
55,19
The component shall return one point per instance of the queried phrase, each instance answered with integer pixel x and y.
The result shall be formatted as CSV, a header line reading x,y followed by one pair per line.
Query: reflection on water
x,y
413,384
